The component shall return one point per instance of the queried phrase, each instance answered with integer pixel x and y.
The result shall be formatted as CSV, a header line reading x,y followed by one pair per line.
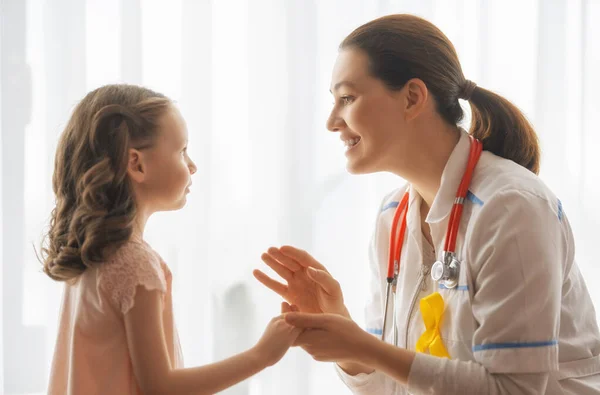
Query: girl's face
x,y
162,173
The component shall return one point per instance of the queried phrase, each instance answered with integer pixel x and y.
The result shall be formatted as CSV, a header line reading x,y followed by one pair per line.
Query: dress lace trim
x,y
131,265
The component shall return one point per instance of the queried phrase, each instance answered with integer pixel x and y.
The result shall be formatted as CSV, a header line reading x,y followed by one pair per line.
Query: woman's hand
x,y
310,287
332,338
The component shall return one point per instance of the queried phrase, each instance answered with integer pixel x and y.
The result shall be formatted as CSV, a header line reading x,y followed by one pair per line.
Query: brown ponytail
x,y
95,209
503,129
402,47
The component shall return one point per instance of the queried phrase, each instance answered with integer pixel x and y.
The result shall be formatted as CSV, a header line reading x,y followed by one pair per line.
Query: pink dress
x,y
91,355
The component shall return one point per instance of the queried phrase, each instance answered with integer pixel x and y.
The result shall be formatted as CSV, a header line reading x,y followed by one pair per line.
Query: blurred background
x,y
252,80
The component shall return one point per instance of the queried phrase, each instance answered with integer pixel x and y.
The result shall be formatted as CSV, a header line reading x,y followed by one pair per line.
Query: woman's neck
x,y
428,160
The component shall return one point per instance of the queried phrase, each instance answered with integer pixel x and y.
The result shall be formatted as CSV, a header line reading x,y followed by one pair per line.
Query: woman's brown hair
x,y
402,47
95,208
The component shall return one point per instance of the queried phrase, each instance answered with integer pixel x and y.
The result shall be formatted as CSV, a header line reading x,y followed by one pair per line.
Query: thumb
x,y
306,320
285,307
324,279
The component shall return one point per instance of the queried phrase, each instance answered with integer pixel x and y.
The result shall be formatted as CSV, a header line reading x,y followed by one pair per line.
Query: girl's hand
x,y
278,337
332,338
309,284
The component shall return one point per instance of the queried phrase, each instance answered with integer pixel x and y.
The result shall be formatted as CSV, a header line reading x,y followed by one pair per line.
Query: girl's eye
x,y
184,151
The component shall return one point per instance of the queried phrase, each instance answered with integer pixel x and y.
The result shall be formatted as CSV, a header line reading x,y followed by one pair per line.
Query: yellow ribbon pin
x,y
432,310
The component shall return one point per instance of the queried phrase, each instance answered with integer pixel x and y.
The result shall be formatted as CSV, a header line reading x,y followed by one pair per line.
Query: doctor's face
x,y
367,115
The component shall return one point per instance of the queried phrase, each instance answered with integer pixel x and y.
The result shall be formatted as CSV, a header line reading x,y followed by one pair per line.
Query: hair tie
x,y
467,90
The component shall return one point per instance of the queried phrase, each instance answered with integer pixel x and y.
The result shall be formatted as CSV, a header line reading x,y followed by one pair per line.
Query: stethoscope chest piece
x,y
446,272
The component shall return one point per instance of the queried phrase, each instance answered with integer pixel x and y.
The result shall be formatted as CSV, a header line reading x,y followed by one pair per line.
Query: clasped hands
x,y
314,303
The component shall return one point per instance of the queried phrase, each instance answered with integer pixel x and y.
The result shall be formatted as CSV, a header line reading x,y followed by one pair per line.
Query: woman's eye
x,y
343,100
346,100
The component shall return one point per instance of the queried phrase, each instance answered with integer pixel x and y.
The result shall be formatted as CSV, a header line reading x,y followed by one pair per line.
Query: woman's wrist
x,y
364,355
393,361
343,311
367,350
367,353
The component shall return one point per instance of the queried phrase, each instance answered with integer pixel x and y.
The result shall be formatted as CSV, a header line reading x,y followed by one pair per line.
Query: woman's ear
x,y
135,166
416,98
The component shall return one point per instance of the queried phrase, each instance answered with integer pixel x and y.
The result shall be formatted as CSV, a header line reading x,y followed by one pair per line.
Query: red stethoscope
x,y
447,270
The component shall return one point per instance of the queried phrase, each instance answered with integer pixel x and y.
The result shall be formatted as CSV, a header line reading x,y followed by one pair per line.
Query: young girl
x,y
121,158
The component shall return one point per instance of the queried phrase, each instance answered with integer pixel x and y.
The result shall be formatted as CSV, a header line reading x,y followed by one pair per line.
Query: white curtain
x,y
252,80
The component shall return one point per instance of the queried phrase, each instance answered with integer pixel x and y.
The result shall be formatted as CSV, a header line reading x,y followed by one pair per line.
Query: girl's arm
x,y
151,362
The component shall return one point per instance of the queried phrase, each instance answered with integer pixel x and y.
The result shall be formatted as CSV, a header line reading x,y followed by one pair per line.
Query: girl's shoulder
x,y
133,264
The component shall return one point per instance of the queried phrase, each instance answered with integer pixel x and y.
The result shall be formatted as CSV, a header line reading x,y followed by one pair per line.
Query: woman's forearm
x,y
374,354
440,375
393,361
353,368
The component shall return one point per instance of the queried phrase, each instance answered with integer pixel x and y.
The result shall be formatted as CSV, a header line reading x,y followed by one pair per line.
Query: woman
x,y
510,313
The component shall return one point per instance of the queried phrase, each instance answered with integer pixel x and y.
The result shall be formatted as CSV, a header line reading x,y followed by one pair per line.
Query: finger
x,y
285,260
306,320
285,308
301,256
277,267
324,279
295,308
308,337
268,282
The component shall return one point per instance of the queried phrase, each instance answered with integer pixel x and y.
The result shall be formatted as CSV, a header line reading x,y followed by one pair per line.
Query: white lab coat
x,y
521,319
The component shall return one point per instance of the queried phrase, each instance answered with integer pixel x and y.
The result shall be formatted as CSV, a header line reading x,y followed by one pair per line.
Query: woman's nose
x,y
334,122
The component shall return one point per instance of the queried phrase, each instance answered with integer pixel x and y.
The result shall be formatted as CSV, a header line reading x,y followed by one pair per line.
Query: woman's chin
x,y
358,166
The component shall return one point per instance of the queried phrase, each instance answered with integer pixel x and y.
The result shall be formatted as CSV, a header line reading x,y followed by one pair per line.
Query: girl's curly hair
x,y
95,207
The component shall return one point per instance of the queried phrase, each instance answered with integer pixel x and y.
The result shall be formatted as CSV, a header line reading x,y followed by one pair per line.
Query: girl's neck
x,y
139,225
136,236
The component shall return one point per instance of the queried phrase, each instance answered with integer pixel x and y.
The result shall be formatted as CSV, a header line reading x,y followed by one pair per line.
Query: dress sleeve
x,y
131,266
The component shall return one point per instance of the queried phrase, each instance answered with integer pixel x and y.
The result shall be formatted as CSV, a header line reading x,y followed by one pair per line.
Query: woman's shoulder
x,y
500,178
506,194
